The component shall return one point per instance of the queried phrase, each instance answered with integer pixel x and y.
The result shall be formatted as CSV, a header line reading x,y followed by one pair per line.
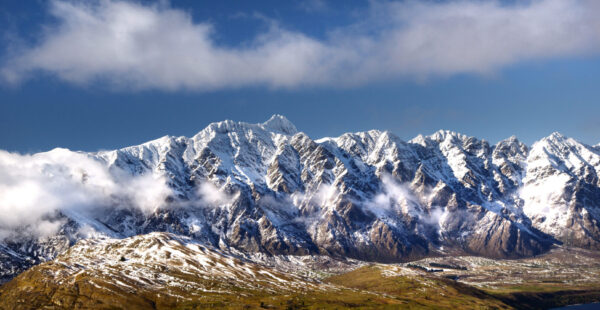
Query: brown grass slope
x,y
162,271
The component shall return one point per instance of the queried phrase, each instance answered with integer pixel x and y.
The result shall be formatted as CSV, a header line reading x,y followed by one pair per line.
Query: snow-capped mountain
x,y
268,188
561,190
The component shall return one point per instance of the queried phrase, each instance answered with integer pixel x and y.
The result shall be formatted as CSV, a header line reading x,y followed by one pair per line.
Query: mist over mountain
x,y
269,189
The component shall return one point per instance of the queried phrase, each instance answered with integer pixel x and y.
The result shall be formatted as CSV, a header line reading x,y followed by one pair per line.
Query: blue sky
x,y
107,74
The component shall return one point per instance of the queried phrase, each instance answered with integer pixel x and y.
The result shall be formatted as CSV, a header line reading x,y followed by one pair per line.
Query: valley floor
x,y
176,273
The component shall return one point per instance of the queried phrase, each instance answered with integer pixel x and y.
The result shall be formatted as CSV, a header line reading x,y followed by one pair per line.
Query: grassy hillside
x,y
160,271
365,288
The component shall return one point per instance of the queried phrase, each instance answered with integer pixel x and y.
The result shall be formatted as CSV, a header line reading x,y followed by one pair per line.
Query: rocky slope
x,y
268,188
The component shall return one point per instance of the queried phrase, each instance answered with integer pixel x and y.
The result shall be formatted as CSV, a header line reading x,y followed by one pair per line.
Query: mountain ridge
x,y
268,188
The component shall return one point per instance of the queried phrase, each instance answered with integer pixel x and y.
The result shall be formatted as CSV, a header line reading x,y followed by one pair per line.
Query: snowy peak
x,y
564,153
451,138
227,126
420,140
279,124
511,148
560,145
447,139
556,137
443,135
512,140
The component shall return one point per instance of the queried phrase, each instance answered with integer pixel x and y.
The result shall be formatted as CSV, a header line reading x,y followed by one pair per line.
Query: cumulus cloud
x,y
131,45
35,188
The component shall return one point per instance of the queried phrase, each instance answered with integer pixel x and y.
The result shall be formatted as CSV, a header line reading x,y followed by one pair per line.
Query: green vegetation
x,y
418,292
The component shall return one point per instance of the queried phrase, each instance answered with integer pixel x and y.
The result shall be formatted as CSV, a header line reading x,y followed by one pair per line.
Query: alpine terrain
x,y
259,211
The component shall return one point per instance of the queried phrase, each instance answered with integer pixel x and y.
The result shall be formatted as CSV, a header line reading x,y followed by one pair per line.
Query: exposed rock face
x,y
369,195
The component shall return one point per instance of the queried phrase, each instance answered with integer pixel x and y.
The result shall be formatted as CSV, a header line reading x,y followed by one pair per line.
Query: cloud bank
x,y
35,188
135,46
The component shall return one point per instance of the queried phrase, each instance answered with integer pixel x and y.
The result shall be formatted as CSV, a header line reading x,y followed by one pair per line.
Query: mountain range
x,y
268,190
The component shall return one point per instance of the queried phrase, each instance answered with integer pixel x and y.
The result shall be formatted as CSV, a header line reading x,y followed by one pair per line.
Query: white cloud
x,y
33,188
130,45
545,200
398,197
326,194
148,192
394,196
211,195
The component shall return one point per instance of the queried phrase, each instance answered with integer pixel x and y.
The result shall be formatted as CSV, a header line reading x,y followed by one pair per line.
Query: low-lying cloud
x,y
35,188
545,199
136,46
394,196
211,195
